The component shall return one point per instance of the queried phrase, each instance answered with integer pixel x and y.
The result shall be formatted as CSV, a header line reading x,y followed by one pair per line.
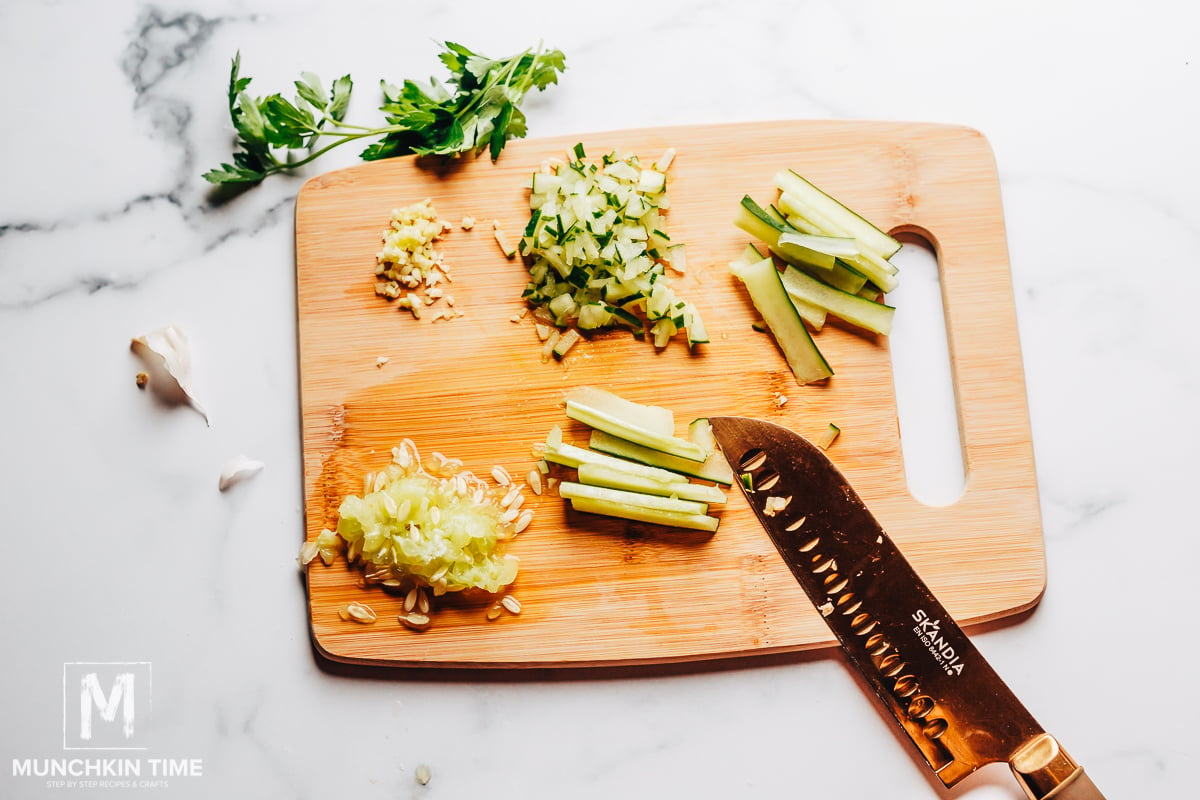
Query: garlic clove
x,y
237,470
168,358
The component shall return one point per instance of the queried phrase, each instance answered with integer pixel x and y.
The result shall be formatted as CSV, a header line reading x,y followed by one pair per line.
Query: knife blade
x,y
953,706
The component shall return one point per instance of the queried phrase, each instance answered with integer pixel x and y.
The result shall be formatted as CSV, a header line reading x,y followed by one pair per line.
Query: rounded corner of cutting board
x,y
325,651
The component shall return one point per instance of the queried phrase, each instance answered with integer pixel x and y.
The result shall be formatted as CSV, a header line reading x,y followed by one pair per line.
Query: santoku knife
x,y
944,695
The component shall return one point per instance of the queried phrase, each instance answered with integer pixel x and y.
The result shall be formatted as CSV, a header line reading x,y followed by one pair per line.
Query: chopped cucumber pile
x,y
414,527
645,475
598,252
834,262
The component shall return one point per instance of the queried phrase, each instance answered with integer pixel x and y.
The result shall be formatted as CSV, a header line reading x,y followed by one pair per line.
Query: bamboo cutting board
x,y
598,591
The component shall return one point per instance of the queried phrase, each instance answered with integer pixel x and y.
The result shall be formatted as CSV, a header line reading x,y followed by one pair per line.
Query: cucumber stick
x,y
633,489
568,455
766,290
860,311
803,217
837,260
832,245
769,228
714,468
642,514
616,478
604,419
813,315
655,418
571,490
817,202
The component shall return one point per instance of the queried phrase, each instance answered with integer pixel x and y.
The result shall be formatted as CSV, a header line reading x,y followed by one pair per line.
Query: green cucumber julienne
x,y
762,224
814,201
618,487
573,491
714,468
642,514
617,478
568,455
655,418
813,315
602,419
766,290
860,311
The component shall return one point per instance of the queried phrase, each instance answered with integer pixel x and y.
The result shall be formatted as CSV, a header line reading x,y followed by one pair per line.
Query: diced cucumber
x,y
642,514
595,234
767,292
696,332
563,306
825,438
651,181
592,316
865,313
544,183
620,478
566,342
572,491
676,256
813,198
714,468
506,247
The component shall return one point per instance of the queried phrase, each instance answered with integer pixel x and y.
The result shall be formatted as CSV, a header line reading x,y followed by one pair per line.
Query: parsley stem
x,y
342,139
339,123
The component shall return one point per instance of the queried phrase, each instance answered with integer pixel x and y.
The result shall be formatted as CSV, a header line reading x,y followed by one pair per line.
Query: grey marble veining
x,y
120,548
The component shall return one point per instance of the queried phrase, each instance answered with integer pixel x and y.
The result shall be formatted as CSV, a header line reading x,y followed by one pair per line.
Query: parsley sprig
x,y
477,108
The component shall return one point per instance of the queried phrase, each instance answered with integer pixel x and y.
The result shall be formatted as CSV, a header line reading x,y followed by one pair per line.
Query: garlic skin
x,y
168,358
237,470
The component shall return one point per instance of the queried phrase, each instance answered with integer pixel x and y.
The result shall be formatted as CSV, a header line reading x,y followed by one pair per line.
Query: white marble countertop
x,y
119,548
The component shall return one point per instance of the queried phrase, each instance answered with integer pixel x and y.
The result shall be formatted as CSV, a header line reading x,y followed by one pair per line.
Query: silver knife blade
x,y
954,707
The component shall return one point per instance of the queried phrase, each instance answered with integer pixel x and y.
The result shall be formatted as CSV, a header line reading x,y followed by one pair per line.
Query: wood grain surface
x,y
598,591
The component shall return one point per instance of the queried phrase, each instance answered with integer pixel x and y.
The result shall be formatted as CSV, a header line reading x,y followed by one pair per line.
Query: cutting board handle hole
x,y
924,382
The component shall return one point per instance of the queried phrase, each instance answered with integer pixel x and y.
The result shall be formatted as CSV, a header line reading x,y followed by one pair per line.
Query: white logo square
x,y
106,705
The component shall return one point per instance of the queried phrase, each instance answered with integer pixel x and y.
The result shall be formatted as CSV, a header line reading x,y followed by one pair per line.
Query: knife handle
x,y
1046,772
1077,787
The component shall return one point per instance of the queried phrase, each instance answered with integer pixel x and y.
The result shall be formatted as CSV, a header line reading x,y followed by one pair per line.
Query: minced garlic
x,y
408,261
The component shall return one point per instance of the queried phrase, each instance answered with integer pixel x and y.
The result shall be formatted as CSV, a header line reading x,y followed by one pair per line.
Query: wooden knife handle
x,y
1046,772
1077,787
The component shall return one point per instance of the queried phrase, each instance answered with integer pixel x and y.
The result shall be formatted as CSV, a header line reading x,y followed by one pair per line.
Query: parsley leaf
x,y
476,108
